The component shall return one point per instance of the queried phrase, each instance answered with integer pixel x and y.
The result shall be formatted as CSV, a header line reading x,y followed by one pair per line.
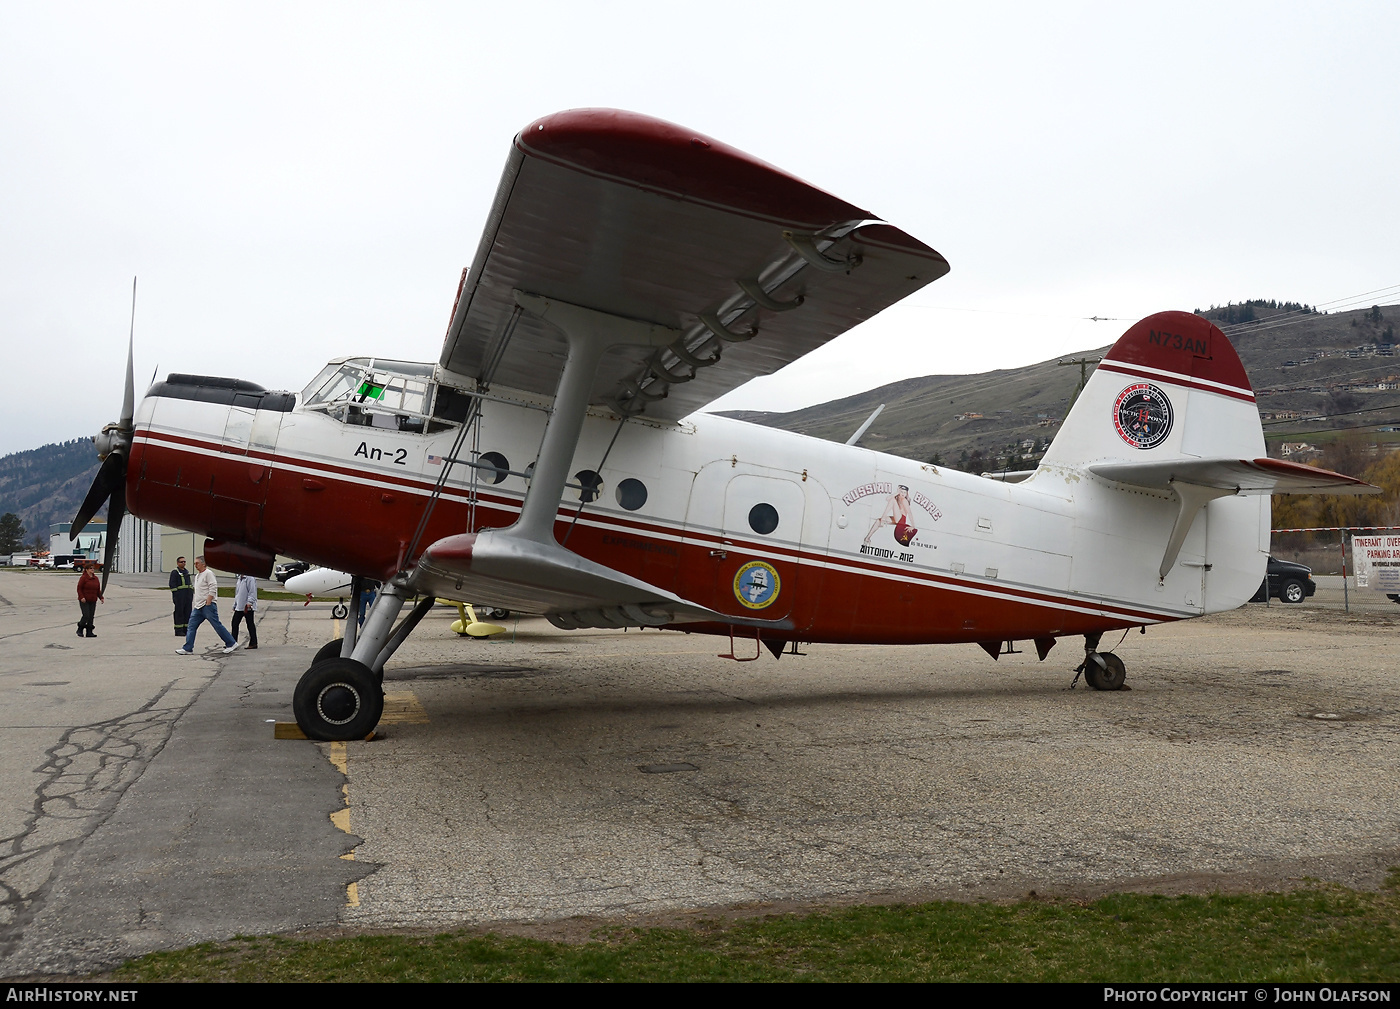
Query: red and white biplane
x,y
552,460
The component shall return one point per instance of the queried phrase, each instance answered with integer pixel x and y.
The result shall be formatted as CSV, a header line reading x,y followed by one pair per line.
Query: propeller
x,y
113,448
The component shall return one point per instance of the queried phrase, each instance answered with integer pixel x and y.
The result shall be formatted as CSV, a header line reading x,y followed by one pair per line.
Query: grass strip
x,y
1314,935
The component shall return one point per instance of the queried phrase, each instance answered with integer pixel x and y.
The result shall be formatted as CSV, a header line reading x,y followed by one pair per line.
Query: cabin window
x,y
589,484
631,494
493,467
763,518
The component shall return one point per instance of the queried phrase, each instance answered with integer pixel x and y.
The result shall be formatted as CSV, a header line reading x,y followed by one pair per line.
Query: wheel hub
x,y
338,703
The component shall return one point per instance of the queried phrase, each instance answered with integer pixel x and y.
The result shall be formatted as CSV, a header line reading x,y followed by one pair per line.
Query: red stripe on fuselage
x,y
346,522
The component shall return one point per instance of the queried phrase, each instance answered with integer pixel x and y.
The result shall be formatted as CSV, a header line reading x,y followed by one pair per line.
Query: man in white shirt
x,y
245,605
206,594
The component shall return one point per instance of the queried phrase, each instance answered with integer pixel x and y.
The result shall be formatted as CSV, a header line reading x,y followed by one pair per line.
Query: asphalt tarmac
x,y
547,781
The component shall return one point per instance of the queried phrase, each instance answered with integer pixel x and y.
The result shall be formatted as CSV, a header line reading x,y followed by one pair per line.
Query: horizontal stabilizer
x,y
1238,476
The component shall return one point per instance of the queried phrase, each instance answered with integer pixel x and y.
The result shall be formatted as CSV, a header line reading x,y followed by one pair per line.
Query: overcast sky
x,y
295,182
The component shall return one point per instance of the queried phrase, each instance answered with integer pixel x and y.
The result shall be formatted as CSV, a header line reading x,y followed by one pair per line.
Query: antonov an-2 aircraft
x,y
552,460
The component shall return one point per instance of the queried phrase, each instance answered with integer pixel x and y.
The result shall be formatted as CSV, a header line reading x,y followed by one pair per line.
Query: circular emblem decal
x,y
1142,415
756,585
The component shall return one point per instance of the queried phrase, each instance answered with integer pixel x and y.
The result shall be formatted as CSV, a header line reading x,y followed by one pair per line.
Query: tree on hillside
x,y
1351,455
11,533
1341,403
1375,314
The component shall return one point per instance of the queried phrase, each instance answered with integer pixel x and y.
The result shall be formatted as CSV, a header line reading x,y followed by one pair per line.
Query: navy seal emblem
x,y
1142,415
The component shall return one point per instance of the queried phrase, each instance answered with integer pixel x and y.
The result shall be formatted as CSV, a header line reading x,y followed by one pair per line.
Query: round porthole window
x,y
493,466
631,494
763,518
590,483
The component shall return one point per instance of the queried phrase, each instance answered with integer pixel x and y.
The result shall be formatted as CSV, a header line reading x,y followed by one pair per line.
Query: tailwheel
x,y
338,699
1104,671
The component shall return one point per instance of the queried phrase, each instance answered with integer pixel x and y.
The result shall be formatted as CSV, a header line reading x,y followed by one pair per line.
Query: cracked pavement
x,y
143,800
611,776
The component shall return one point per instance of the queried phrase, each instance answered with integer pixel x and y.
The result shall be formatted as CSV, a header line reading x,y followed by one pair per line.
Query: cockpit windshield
x,y
373,392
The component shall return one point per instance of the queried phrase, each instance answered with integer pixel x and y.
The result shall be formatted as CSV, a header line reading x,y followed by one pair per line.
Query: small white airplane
x,y
326,582
320,582
552,459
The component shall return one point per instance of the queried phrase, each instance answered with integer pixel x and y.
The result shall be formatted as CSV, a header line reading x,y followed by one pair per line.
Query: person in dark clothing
x,y
89,595
182,589
245,605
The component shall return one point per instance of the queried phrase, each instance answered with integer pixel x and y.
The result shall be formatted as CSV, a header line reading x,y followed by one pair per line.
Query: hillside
x,y
47,484
1297,361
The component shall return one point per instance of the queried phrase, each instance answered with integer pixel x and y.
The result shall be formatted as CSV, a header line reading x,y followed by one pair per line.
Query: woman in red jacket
x,y
89,594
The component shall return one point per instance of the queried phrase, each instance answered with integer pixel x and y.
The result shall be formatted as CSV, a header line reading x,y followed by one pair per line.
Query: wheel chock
x,y
291,730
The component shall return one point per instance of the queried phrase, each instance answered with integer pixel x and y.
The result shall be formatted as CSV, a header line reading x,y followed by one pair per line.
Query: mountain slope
x,y
47,484
1296,361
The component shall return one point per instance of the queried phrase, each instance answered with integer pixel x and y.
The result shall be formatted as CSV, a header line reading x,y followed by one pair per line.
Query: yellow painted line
x,y
341,817
402,707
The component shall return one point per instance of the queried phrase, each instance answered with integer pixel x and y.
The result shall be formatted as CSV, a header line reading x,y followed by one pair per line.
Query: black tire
x,y
330,650
1109,676
337,699
1292,591
340,611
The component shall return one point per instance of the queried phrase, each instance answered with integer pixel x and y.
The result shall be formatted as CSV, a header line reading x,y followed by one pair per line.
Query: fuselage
x,y
862,546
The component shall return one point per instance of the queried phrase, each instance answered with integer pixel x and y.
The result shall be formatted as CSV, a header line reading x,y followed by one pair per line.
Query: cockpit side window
x,y
335,382
375,393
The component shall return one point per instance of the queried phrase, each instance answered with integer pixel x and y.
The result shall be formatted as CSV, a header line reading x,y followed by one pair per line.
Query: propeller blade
x,y
115,514
129,397
111,476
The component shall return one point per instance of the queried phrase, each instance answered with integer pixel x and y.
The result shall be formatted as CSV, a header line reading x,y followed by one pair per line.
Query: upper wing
x,y
1243,476
640,218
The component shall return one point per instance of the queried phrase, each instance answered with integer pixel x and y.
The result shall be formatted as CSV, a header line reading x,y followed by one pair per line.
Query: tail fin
x,y
1172,387
1171,394
1166,431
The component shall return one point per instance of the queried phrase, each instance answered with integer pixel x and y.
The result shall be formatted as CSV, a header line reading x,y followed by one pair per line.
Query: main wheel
x,y
340,611
1292,591
330,650
1109,676
337,699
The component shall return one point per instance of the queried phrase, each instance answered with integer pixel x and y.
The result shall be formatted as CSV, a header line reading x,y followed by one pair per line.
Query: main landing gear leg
x,y
1101,670
341,696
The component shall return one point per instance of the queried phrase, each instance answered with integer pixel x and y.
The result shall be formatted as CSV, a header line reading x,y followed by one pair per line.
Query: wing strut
x,y
525,557
590,335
